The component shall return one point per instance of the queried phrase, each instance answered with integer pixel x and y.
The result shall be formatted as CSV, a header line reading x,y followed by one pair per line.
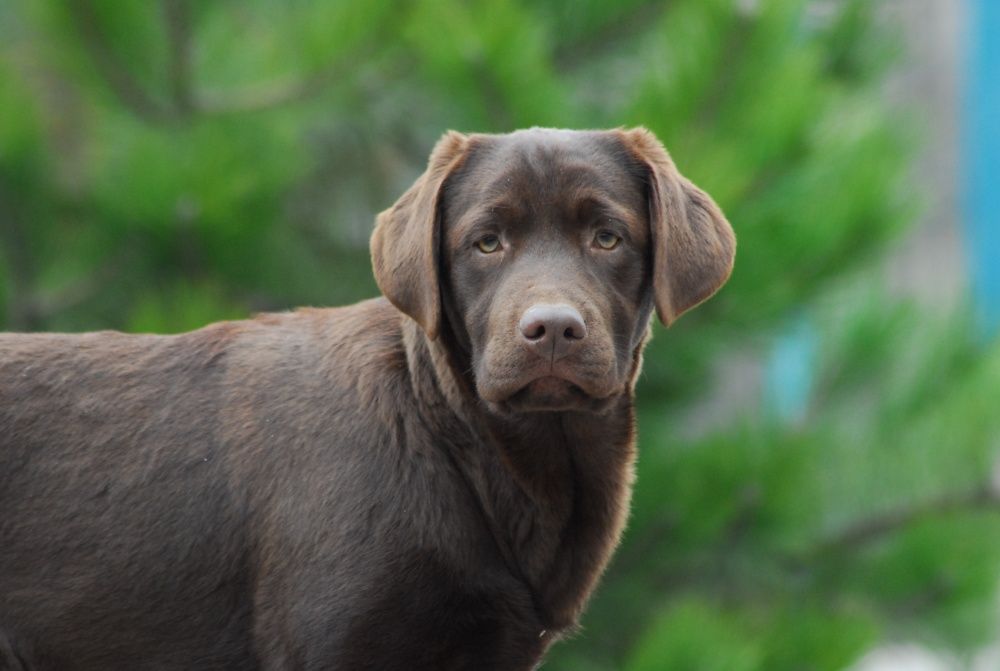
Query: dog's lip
x,y
548,392
549,384
554,383
547,379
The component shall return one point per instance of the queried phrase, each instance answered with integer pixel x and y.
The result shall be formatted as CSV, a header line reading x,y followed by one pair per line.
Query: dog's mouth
x,y
551,393
542,387
548,394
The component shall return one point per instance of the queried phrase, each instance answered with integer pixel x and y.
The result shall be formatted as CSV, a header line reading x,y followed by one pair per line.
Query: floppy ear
x,y
693,244
404,245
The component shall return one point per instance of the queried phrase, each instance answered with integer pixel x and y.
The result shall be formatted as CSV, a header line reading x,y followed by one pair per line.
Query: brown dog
x,y
433,481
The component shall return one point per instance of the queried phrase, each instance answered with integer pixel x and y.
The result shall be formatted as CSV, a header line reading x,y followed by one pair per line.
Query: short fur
x,y
398,484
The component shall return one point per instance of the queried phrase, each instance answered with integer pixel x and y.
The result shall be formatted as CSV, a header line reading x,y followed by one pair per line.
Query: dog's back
x,y
89,485
143,479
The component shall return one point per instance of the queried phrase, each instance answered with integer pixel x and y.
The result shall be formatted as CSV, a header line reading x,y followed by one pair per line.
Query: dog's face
x,y
544,253
546,267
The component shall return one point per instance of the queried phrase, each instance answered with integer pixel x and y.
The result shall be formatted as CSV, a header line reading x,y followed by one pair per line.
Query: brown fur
x,y
398,484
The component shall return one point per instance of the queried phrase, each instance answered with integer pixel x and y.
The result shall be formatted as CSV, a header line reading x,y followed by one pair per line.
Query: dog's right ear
x,y
405,243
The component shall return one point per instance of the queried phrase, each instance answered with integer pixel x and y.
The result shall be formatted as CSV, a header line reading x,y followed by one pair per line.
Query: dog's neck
x,y
554,487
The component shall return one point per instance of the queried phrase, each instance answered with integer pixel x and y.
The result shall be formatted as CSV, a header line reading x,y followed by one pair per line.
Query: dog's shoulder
x,y
342,348
337,372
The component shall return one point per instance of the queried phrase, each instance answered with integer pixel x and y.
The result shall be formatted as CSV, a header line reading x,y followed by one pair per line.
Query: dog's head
x,y
543,254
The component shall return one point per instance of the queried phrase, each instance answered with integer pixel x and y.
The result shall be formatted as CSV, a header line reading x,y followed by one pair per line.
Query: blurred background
x,y
819,480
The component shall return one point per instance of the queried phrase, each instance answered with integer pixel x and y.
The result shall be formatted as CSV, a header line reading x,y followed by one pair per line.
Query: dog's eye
x,y
489,244
607,240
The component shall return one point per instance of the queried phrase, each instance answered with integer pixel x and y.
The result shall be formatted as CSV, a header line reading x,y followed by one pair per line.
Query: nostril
x,y
534,331
572,325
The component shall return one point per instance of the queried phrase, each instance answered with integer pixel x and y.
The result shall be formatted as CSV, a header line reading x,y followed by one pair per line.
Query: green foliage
x,y
167,164
694,637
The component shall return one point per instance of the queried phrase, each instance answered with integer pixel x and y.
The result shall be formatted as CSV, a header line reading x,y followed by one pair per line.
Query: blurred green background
x,y
167,164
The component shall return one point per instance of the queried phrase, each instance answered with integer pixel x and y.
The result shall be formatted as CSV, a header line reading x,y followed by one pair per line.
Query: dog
x,y
432,479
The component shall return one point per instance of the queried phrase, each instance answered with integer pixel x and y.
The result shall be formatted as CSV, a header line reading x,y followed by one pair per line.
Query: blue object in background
x,y
789,374
981,158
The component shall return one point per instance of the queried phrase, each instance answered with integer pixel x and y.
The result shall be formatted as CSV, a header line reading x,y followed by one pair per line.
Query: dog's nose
x,y
552,330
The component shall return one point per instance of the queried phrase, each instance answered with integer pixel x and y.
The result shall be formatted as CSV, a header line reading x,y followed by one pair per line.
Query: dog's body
x,y
175,502
434,482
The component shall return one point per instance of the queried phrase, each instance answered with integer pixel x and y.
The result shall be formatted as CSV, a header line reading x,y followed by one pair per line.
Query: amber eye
x,y
607,240
489,244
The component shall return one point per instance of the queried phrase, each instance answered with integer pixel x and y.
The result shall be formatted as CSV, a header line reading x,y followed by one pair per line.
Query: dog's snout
x,y
552,330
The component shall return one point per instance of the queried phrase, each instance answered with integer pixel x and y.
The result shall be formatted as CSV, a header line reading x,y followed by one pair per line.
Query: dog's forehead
x,y
546,166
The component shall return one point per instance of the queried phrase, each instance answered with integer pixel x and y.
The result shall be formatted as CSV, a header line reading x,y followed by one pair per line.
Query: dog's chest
x,y
419,613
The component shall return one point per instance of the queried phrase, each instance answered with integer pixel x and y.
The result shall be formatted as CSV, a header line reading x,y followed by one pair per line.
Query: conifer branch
x,y
19,263
611,35
985,497
119,78
177,18
262,97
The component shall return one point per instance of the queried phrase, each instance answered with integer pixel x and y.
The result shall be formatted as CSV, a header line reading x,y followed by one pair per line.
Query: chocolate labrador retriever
x,y
430,480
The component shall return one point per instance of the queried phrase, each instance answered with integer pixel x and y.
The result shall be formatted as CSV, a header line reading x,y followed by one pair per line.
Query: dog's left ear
x,y
693,244
405,243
